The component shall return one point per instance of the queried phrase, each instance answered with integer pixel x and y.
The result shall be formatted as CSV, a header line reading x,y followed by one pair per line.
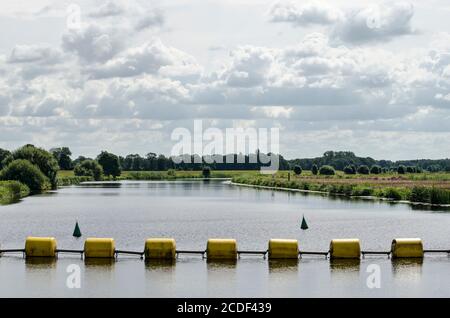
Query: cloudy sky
x,y
370,77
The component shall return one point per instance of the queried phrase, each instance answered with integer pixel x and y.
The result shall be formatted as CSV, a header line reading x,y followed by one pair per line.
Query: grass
x,y
12,191
430,188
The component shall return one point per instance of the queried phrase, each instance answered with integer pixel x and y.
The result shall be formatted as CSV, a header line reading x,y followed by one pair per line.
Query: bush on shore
x,y
89,168
25,172
12,191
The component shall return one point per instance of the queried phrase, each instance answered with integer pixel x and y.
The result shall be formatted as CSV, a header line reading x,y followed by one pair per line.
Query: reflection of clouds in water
x,y
407,269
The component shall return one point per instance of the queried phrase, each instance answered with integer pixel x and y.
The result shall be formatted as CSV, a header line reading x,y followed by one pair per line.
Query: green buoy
x,y
76,231
304,226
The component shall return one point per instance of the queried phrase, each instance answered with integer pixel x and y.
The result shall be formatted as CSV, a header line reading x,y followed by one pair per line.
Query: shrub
x,y
206,172
314,169
392,193
439,196
350,169
420,194
375,169
41,158
401,169
12,191
25,172
327,170
363,169
89,168
298,170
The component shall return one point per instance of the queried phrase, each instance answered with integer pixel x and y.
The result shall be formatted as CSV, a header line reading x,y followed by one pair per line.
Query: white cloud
x,y
376,22
35,54
305,14
109,85
379,22
149,58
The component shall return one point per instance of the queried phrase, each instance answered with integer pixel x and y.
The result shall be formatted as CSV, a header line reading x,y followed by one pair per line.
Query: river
x,y
193,211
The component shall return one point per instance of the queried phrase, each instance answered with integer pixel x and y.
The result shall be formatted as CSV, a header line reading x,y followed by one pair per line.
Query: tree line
x,y
37,168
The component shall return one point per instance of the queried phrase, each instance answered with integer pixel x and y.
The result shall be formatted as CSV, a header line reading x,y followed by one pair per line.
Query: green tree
x,y
314,169
410,169
3,155
327,170
43,159
350,169
375,169
89,168
25,172
297,170
363,169
62,155
401,169
110,163
206,172
80,159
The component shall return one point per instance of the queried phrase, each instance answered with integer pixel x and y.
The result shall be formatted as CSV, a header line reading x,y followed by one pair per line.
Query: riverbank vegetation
x,y
431,189
341,173
12,191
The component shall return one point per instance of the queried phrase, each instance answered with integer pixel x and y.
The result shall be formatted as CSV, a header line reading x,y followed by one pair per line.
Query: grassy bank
x,y
12,191
71,180
418,191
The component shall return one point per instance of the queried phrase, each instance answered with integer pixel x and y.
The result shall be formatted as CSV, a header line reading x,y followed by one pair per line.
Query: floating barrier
x,y
283,249
99,248
407,247
40,247
345,248
160,248
221,249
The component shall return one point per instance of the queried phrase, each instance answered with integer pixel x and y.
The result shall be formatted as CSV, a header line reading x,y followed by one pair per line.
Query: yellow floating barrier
x,y
407,247
221,249
40,247
345,248
160,248
283,249
99,247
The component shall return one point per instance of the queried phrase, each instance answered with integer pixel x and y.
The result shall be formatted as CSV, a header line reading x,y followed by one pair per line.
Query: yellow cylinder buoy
x,y
345,248
280,248
221,249
40,247
160,248
99,247
407,247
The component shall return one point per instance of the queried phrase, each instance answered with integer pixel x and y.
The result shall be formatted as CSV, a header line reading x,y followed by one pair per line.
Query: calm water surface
x,y
192,212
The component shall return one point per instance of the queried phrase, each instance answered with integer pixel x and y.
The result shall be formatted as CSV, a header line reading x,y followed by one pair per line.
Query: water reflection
x,y
160,264
345,265
213,264
407,269
104,263
40,262
278,265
